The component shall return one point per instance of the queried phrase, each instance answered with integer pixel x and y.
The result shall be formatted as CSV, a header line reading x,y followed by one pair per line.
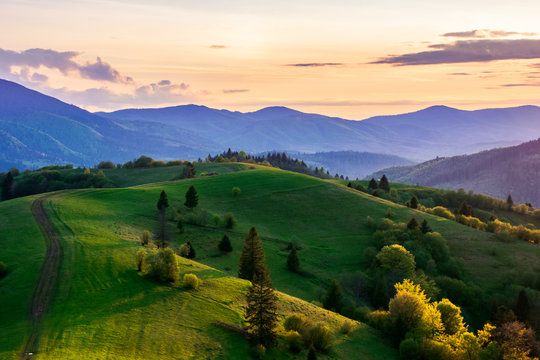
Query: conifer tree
x,y
425,227
383,183
412,224
6,186
163,202
522,307
334,297
225,244
372,184
413,203
187,250
261,310
293,263
252,257
509,201
189,171
192,199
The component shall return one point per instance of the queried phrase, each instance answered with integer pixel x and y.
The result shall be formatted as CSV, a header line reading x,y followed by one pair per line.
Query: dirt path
x,y
46,284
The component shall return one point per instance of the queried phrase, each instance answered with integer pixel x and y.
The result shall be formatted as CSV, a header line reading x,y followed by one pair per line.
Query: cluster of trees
x,y
15,184
142,162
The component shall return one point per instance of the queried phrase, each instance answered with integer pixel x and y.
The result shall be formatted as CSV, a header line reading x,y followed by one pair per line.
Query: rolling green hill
x,y
105,309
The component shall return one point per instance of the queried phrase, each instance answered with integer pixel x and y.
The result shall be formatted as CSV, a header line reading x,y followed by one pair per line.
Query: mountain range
x,y
512,170
40,130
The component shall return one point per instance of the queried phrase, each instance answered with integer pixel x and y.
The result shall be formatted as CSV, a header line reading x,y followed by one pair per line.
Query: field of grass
x,y
105,309
22,250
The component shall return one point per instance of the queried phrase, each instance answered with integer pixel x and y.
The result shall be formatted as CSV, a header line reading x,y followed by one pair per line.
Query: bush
x,y
140,259
346,327
294,341
409,350
145,237
3,270
235,191
187,250
390,213
230,221
319,336
163,265
378,319
296,322
216,220
191,281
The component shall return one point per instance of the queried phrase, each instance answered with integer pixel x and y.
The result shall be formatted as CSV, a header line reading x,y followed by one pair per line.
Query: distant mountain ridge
x,y
38,130
512,170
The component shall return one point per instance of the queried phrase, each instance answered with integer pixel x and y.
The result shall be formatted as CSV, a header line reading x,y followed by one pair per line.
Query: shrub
x,y
346,327
216,220
187,250
145,237
191,281
140,259
319,336
294,341
442,212
378,319
235,191
230,221
409,350
390,213
163,265
3,270
295,322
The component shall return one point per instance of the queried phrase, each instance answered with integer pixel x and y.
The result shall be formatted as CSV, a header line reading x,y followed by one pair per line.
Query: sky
x,y
349,58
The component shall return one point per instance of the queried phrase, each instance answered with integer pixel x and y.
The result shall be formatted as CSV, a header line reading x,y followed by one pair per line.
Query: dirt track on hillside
x,y
46,284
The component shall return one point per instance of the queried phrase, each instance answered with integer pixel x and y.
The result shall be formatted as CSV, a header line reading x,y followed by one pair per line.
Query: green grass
x,y
23,250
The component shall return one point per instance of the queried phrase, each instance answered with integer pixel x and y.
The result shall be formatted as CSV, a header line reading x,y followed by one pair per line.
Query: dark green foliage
x,y
466,209
293,263
7,187
189,171
162,234
230,221
163,265
383,183
334,297
413,203
187,250
413,224
252,258
143,162
163,202
312,355
106,165
192,199
180,226
225,244
372,184
523,308
3,270
425,227
409,350
261,311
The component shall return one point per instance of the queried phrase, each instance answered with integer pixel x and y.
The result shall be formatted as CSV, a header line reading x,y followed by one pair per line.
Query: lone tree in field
x,y
225,244
252,257
509,201
192,199
413,203
163,202
413,224
372,184
425,228
261,309
383,183
293,263
162,205
334,297
189,171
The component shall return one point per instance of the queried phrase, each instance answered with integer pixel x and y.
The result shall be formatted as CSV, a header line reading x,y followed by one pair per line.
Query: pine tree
x,y
6,186
372,184
523,308
293,263
383,183
187,250
413,203
261,310
412,224
188,171
334,297
425,227
163,202
225,244
252,257
509,201
192,199
311,355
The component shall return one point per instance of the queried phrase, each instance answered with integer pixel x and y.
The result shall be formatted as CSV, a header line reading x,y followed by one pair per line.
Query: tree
x,y
188,171
187,250
466,209
225,244
383,183
145,237
163,265
412,224
334,297
163,202
230,221
425,227
372,184
192,199
413,203
252,257
261,310
293,263
451,317
396,257
7,187
509,201
523,307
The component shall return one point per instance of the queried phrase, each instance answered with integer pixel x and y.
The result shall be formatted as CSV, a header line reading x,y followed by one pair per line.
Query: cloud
x,y
459,74
468,51
519,85
234,91
63,61
486,33
39,78
218,47
315,64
